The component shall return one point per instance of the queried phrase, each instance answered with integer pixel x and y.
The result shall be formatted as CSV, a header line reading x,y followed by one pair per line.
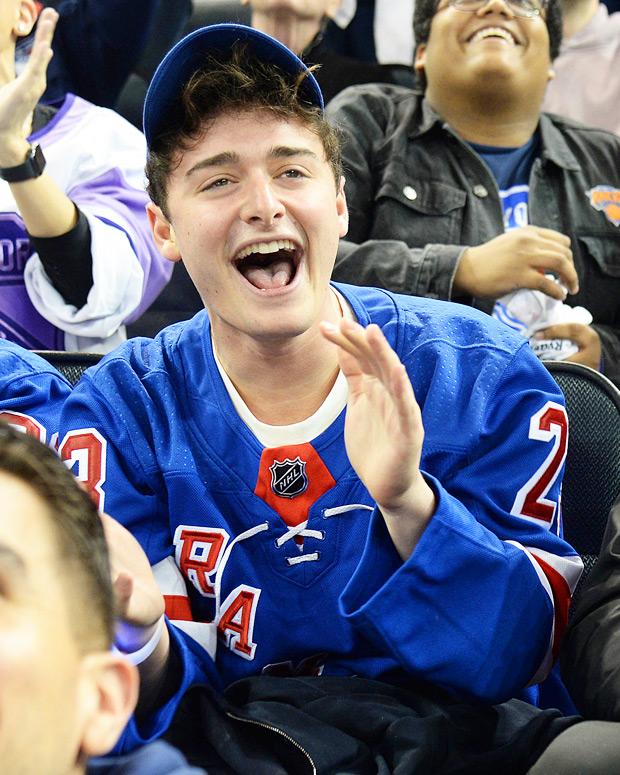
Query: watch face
x,y
38,160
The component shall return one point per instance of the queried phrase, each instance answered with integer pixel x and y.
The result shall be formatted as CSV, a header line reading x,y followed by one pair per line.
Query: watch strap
x,y
32,167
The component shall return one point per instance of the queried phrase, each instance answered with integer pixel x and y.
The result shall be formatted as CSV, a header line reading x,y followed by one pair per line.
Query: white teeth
x,y
492,32
267,247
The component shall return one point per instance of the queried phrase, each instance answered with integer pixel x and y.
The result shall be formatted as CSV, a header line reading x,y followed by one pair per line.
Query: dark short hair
x,y
231,83
425,10
83,561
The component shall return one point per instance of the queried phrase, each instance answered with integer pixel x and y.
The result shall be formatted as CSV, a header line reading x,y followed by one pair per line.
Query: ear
x,y
163,233
25,18
420,58
342,210
332,8
109,697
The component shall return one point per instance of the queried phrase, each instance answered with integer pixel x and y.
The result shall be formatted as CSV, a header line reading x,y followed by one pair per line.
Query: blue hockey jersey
x,y
32,392
276,560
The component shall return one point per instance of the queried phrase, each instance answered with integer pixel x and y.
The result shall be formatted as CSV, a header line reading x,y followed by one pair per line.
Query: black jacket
x,y
324,725
590,650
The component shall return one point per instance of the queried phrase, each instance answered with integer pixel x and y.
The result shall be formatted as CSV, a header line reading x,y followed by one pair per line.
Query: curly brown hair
x,y
227,83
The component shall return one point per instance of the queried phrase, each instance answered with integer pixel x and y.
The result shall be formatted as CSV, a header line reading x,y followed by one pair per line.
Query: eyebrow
x,y
232,157
226,157
285,152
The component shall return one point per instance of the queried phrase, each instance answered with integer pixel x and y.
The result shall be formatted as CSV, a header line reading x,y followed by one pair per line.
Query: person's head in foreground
x,y
245,177
64,695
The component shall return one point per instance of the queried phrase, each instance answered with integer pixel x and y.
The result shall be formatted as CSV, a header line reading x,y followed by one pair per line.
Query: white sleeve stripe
x,y
539,571
204,633
569,568
169,578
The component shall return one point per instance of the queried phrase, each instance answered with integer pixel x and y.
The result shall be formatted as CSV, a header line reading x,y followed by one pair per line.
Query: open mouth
x,y
269,265
493,32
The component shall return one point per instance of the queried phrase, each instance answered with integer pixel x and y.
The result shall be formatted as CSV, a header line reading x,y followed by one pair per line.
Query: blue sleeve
x,y
196,670
115,459
480,605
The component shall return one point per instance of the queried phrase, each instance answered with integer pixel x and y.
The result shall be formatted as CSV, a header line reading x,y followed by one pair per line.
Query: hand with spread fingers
x,y
585,337
45,209
20,95
383,430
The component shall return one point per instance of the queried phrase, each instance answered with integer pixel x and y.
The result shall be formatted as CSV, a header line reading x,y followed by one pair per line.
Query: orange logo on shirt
x,y
607,200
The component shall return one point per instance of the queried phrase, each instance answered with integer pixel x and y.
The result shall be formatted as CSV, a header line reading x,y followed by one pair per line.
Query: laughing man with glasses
x,y
466,191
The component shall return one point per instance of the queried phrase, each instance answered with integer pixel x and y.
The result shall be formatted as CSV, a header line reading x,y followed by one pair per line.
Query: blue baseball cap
x,y
187,56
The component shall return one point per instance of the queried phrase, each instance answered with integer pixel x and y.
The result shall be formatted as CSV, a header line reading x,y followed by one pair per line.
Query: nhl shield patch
x,y
291,479
607,200
288,477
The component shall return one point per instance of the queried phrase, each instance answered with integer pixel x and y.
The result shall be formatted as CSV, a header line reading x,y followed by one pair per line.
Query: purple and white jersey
x,y
97,158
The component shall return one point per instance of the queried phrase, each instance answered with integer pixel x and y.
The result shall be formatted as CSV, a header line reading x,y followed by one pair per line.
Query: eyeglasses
x,y
527,9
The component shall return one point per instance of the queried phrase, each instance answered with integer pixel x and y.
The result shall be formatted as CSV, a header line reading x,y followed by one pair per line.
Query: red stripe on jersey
x,y
178,607
561,602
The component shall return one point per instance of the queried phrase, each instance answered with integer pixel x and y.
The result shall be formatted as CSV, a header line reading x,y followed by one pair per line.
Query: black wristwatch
x,y
31,168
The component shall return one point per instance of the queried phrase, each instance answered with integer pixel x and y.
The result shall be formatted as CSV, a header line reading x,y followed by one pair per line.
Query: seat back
x,y
592,476
70,365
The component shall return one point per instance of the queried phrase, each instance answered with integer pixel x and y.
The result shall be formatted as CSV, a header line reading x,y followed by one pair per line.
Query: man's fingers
x,y
366,351
368,346
350,337
548,286
394,374
46,25
560,263
578,333
123,589
42,47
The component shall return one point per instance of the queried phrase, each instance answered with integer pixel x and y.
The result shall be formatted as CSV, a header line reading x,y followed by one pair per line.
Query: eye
x,y
215,184
293,174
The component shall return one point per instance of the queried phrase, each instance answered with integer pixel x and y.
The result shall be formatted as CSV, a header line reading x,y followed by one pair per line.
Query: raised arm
x,y
45,209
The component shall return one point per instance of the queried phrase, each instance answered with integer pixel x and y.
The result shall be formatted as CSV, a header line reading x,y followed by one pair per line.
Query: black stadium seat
x,y
70,365
592,477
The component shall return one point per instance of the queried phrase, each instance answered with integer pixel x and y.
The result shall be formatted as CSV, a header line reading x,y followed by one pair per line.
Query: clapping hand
x,y
384,430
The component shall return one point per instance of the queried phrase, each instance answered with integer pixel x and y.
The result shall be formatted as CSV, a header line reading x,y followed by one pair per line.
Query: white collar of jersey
x,y
306,430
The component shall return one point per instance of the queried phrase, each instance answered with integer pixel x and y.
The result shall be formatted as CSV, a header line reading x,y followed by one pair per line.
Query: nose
x,y
497,6
261,202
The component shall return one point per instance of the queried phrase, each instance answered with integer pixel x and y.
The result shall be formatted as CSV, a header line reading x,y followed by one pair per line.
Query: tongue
x,y
275,275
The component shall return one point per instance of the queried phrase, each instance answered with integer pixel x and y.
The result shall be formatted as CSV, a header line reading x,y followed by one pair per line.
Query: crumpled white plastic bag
x,y
527,311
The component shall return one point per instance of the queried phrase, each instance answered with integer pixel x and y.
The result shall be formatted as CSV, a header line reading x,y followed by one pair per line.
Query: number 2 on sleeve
x,y
550,424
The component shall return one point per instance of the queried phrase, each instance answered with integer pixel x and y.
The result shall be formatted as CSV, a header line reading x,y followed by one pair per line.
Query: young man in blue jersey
x,y
65,695
327,480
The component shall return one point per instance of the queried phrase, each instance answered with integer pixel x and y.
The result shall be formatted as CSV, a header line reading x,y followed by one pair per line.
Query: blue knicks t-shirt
x,y
511,168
